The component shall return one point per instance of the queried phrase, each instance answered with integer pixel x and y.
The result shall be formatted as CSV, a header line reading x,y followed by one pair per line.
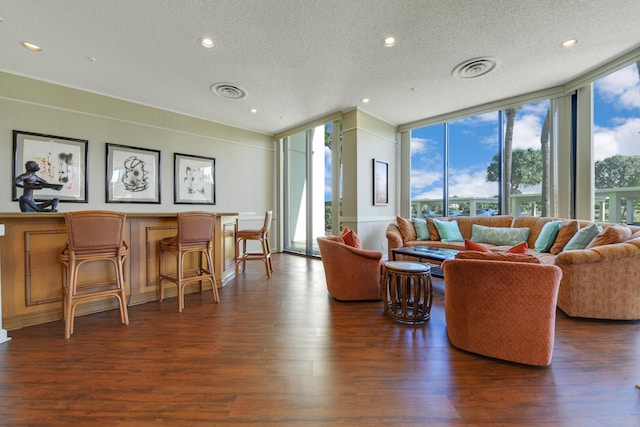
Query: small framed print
x,y
133,175
380,182
62,162
194,179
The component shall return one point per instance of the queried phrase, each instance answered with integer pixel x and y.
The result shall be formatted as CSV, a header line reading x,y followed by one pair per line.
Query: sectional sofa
x,y
601,281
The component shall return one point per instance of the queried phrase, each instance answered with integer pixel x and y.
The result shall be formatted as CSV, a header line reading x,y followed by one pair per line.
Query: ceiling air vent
x,y
228,90
474,68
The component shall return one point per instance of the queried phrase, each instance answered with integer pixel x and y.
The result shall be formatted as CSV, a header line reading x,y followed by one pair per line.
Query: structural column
x,y
3,332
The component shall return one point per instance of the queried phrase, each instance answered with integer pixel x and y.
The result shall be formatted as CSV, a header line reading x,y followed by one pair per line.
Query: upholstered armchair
x,y
502,309
352,274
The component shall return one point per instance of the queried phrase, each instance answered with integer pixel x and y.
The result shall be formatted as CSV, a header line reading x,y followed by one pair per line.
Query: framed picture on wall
x,y
61,161
133,175
380,182
194,179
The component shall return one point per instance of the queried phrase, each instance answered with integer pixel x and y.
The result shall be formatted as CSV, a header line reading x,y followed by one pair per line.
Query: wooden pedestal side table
x,y
408,291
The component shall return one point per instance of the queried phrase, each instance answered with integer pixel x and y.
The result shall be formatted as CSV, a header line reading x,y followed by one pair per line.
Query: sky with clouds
x,y
474,142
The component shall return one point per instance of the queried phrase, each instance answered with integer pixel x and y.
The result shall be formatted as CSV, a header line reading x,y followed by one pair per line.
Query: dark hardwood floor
x,y
282,352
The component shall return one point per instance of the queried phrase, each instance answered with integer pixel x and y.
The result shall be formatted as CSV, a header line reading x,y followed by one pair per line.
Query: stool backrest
x,y
267,222
195,227
95,230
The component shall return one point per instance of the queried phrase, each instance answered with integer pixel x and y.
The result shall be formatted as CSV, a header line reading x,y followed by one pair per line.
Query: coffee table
x,y
428,253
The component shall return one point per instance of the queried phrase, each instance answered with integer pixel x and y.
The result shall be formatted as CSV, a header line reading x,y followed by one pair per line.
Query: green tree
x,y
618,171
526,169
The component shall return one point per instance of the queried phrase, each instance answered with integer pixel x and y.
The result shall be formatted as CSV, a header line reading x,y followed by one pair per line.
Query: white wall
x,y
244,160
366,138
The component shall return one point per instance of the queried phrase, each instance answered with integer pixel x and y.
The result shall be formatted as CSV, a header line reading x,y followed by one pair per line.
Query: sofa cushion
x,y
567,230
615,234
407,230
547,236
465,223
433,231
534,224
583,237
473,246
422,231
497,256
351,238
499,235
448,231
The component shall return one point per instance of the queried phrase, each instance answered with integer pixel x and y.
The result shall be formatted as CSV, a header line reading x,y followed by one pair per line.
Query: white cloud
x,y
425,178
621,88
623,139
471,183
526,131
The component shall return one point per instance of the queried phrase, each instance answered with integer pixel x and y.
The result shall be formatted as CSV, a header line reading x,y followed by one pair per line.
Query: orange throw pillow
x,y
350,238
497,256
433,231
567,230
517,249
407,230
520,248
473,246
615,234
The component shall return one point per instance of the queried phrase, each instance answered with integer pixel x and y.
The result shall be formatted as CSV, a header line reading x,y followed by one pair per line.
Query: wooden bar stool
x,y
261,235
195,235
408,291
93,236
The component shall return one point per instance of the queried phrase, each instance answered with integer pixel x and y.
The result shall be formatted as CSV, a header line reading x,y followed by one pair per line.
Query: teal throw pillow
x,y
547,236
422,231
499,235
583,237
448,231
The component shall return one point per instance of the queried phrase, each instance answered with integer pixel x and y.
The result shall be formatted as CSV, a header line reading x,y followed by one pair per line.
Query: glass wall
x,y
616,146
427,177
473,145
308,189
498,162
528,146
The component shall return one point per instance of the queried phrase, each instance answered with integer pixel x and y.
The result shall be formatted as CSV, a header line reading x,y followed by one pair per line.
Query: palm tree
x,y
508,150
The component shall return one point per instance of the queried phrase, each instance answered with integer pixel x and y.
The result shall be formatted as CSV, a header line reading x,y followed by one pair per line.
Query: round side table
x,y
408,291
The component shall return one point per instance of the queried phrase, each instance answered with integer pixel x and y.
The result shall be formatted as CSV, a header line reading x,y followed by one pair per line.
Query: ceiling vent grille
x,y
474,68
228,90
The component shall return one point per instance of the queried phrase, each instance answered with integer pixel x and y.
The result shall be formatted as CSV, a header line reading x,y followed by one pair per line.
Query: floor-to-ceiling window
x,y
307,188
616,146
473,145
528,149
498,162
427,177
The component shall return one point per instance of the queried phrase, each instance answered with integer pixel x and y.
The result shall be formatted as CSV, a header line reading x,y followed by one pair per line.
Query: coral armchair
x,y
502,309
352,274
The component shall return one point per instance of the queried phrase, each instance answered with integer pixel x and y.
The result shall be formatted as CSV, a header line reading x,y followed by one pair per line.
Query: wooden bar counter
x,y
32,273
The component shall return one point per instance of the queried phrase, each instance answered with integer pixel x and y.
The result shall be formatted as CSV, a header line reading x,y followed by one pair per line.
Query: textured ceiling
x,y
302,59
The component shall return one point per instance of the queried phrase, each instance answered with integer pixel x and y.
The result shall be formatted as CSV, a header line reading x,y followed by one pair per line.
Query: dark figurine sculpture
x,y
30,181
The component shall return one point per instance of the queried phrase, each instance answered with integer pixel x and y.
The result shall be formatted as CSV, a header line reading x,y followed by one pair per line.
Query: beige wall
x,y
364,138
244,160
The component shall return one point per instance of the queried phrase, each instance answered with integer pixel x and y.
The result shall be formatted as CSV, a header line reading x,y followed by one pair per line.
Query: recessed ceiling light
x,y
32,47
389,41
206,42
569,43
365,100
253,111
